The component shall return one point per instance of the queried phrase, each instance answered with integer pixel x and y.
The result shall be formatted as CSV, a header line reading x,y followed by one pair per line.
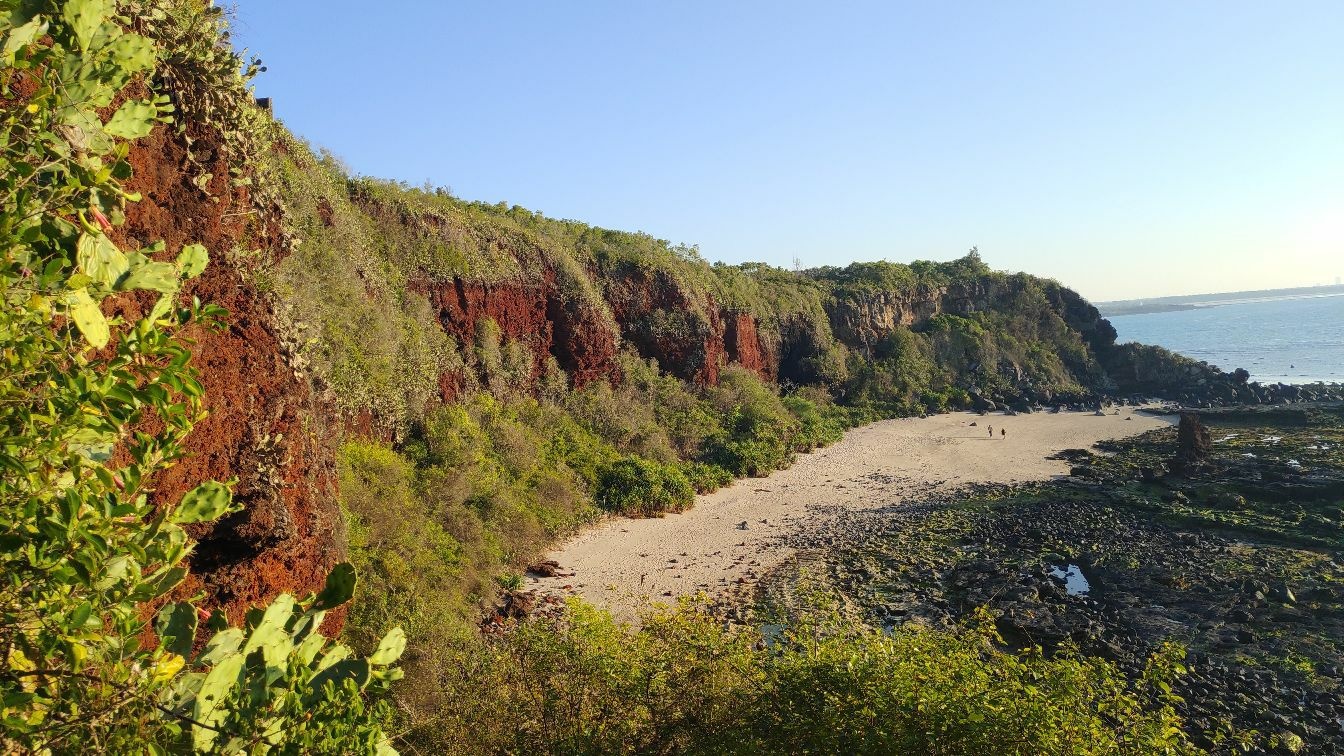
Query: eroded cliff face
x,y
265,427
537,316
270,429
743,345
863,318
663,321
692,337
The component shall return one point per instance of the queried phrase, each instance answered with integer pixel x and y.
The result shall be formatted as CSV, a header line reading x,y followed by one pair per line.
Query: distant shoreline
x,y
1147,309
1120,308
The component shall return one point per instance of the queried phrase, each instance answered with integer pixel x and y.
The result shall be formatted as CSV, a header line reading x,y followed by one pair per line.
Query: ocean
x,y
1278,341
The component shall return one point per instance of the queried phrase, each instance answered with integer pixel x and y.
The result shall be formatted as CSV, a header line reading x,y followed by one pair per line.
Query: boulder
x,y
1194,442
548,568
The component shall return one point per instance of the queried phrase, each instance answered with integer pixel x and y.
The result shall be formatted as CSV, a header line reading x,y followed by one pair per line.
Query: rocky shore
x,y
1227,539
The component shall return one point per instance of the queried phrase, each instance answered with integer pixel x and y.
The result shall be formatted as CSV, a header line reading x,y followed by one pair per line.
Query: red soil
x,y
264,427
744,346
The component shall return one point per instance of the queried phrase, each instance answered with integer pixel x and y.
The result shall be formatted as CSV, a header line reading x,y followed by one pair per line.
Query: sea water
x,y
1277,341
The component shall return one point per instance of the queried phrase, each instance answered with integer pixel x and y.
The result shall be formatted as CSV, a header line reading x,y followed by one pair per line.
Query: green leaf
x,y
82,129
22,36
134,119
161,308
88,318
153,276
390,648
131,53
191,261
270,635
84,18
307,624
217,621
334,655
210,709
307,650
222,645
91,444
79,617
176,625
339,589
115,569
100,259
165,582
208,501
349,669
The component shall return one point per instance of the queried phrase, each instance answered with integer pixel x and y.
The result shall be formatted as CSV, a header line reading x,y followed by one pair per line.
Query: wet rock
x,y
1194,442
1283,594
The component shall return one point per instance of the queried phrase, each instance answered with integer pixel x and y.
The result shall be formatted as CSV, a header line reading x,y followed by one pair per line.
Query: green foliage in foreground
x,y
681,683
91,408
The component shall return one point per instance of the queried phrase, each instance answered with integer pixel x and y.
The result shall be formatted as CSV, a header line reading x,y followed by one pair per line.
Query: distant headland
x,y
1194,301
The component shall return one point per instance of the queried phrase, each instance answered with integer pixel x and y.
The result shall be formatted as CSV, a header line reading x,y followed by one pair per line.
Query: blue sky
x,y
1127,149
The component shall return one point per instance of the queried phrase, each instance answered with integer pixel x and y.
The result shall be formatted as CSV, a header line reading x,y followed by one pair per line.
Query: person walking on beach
x,y
991,431
1003,433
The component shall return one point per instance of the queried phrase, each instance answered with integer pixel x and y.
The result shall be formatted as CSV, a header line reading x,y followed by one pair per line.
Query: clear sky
x,y
1127,149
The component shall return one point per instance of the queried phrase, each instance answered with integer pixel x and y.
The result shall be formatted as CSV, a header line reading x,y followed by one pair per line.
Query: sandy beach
x,y
733,537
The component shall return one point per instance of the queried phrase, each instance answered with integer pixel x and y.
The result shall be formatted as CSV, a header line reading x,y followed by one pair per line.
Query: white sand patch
x,y
623,564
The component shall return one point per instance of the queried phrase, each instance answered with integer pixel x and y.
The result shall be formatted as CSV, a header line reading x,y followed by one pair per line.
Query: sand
x,y
733,537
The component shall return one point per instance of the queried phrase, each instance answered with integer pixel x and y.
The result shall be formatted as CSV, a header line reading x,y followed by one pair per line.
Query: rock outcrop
x,y
1193,444
664,320
743,345
535,316
265,426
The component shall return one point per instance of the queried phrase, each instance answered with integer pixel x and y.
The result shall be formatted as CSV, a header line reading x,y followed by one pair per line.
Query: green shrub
x,y
958,398
625,416
755,456
415,574
682,683
757,430
933,401
705,478
839,688
817,425
642,487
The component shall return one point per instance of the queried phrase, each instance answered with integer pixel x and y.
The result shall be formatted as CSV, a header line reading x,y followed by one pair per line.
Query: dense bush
x,y
757,430
482,487
414,569
641,487
705,478
682,683
817,425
